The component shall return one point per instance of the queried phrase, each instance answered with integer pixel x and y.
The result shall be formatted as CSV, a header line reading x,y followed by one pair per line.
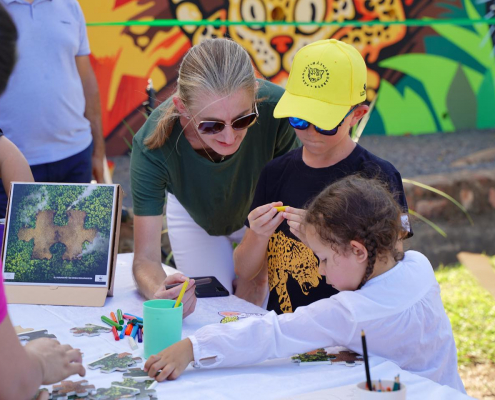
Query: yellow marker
x,y
181,294
281,208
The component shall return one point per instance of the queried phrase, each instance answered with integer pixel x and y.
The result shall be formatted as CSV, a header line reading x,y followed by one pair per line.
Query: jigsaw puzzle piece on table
x,y
115,362
318,356
145,387
90,330
114,393
233,316
137,374
28,336
69,388
347,357
20,329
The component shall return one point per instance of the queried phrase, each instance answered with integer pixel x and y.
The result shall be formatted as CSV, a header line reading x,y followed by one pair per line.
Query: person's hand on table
x,y
171,362
295,219
265,219
57,361
189,299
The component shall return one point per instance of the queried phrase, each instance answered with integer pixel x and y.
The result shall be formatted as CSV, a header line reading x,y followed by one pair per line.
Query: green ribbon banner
x,y
407,22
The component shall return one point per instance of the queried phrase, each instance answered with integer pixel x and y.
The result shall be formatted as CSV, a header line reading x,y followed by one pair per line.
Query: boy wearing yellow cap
x,y
323,100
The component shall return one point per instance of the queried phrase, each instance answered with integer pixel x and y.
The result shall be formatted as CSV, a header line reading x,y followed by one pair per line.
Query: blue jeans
x,y
74,169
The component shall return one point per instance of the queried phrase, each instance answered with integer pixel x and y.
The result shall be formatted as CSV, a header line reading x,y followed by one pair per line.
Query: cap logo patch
x,y
315,75
364,91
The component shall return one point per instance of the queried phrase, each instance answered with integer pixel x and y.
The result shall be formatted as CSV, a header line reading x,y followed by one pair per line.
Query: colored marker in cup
x,y
181,294
281,208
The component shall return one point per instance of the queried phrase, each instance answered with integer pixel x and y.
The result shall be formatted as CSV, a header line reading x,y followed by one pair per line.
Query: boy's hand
x,y
295,219
172,361
57,361
264,220
189,299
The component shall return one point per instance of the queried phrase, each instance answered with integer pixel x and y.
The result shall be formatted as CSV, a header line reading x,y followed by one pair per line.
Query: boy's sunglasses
x,y
302,124
214,127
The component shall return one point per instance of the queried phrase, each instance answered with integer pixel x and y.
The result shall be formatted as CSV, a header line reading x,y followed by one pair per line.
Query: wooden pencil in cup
x,y
366,363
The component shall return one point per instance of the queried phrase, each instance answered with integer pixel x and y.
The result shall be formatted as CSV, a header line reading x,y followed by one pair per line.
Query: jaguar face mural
x,y
422,75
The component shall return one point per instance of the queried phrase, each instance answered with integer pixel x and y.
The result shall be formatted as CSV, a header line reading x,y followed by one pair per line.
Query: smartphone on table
x,y
206,286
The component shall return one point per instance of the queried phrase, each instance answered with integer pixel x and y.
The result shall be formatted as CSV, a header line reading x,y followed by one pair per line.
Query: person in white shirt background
x,y
353,227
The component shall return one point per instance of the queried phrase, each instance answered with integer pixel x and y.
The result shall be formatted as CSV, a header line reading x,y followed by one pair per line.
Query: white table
x,y
272,379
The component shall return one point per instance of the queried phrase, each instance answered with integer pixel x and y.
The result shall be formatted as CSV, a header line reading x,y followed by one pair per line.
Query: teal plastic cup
x,y
162,325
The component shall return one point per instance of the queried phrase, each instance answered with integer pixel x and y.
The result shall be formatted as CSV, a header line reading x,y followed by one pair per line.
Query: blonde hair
x,y
214,67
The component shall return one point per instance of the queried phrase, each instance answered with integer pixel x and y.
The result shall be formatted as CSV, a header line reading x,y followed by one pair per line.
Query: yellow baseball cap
x,y
326,79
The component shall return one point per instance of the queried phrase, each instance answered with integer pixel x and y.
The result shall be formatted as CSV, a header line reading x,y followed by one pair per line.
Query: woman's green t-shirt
x,y
216,195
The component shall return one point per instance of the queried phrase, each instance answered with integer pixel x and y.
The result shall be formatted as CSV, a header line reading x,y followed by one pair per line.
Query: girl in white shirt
x,y
353,227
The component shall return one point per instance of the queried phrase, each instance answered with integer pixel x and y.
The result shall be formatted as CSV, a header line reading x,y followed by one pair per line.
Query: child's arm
x,y
250,255
13,165
42,361
172,361
252,340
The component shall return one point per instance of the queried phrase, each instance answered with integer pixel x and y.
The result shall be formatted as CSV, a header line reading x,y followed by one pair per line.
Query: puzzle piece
x,y
90,330
136,374
145,387
114,393
28,336
232,316
349,358
315,356
20,329
46,234
70,388
115,362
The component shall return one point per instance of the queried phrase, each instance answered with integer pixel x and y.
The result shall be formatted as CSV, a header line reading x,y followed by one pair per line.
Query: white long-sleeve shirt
x,y
400,311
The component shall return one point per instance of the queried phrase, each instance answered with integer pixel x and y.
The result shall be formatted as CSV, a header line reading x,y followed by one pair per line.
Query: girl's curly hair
x,y
360,209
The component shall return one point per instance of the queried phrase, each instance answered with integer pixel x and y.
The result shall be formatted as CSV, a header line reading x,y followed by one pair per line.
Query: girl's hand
x,y
295,219
57,361
264,220
171,362
189,299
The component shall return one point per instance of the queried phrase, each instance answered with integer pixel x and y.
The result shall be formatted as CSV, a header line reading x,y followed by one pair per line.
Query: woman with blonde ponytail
x,y
205,147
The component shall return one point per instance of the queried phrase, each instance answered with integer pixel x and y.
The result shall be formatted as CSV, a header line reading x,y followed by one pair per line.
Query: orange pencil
x,y
128,329
114,318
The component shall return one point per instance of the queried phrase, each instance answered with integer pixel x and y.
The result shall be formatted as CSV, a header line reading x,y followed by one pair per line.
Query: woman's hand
x,y
189,299
265,219
57,361
295,219
171,362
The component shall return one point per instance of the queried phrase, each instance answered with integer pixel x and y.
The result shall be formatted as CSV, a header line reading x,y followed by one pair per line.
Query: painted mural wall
x,y
438,78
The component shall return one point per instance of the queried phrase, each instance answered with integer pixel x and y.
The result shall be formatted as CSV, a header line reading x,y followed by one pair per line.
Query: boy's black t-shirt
x,y
292,267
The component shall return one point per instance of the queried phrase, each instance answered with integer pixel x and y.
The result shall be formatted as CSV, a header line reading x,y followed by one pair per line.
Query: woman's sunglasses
x,y
214,127
302,124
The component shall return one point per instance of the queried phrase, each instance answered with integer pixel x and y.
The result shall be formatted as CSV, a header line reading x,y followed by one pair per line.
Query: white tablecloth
x,y
272,379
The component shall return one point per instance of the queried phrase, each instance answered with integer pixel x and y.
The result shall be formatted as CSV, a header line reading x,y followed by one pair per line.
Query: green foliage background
x,y
471,310
27,201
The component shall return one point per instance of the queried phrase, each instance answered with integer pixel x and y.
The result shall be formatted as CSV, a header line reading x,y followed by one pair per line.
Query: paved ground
x,y
430,154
